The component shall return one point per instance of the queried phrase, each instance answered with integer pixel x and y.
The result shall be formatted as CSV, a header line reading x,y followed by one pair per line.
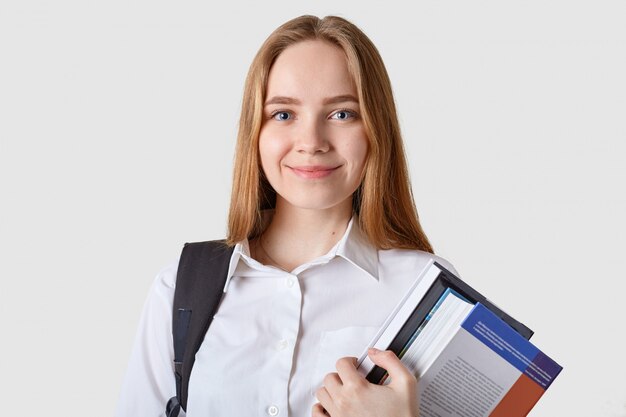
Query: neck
x,y
297,235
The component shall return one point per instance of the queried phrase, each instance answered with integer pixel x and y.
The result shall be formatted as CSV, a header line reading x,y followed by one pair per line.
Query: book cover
x,y
486,369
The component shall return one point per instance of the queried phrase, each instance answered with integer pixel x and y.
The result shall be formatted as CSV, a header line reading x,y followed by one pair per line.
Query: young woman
x,y
326,241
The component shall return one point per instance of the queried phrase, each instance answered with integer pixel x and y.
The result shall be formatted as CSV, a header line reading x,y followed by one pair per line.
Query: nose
x,y
311,138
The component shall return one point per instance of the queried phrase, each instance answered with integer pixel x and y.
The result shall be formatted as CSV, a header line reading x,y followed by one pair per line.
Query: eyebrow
x,y
330,100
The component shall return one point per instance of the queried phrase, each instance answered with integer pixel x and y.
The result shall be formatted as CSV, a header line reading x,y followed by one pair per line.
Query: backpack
x,y
200,281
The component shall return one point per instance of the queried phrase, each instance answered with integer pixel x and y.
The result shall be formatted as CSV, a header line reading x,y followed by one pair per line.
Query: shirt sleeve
x,y
149,380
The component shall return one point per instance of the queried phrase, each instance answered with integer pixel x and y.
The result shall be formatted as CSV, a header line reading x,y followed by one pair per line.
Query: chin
x,y
312,202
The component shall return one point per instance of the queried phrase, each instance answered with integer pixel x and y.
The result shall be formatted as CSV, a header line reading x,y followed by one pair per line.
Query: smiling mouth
x,y
313,172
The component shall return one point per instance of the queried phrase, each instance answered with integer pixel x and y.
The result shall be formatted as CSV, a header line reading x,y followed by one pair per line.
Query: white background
x,y
117,128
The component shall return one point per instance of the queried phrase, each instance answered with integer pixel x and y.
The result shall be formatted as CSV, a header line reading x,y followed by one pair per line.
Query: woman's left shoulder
x,y
412,259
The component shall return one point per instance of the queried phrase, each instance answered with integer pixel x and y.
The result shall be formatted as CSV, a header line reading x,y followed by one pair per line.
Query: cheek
x,y
357,151
271,151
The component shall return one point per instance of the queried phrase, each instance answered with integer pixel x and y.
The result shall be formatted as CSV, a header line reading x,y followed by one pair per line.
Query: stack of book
x,y
472,359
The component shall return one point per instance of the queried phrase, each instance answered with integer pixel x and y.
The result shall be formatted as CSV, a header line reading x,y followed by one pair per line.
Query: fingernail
x,y
373,351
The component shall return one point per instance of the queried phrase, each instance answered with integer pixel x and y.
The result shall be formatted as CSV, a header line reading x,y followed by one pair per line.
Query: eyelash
x,y
350,112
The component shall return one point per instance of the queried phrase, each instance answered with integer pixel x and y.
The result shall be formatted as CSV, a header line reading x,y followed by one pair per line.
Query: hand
x,y
346,393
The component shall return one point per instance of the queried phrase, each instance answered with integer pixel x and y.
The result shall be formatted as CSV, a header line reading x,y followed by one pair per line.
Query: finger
x,y
346,368
318,411
324,398
332,382
398,373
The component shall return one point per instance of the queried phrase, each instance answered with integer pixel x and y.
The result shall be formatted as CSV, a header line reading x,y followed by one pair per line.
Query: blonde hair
x,y
383,201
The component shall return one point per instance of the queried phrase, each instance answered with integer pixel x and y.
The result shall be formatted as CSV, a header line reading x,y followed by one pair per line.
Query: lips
x,y
313,171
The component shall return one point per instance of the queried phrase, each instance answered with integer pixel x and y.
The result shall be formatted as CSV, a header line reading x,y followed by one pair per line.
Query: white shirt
x,y
276,334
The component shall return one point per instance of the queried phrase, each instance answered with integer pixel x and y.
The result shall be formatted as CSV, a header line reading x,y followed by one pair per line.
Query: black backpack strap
x,y
200,281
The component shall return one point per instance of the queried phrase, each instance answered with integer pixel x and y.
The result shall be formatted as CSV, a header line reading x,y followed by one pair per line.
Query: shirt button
x,y
272,410
289,282
282,344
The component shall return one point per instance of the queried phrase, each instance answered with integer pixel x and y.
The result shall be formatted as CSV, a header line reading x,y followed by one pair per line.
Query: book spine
x,y
400,315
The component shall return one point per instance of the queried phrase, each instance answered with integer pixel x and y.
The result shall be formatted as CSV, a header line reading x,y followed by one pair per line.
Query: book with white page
x,y
471,357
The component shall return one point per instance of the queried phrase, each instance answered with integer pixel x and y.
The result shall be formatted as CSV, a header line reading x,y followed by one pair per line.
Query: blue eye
x,y
281,115
343,115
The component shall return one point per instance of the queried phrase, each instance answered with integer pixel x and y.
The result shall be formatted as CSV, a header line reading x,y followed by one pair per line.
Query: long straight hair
x,y
384,201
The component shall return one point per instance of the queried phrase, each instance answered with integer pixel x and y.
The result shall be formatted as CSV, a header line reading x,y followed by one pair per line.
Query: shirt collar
x,y
353,247
356,249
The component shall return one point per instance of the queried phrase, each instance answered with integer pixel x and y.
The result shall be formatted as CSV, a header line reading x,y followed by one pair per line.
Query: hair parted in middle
x,y
384,201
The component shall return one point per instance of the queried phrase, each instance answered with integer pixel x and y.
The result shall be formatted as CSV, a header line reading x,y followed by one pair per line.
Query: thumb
x,y
388,360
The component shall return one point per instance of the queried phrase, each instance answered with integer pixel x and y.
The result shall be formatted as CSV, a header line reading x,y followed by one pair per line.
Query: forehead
x,y
312,70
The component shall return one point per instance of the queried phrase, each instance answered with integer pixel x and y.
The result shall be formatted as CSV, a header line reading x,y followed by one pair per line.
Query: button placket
x,y
286,309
